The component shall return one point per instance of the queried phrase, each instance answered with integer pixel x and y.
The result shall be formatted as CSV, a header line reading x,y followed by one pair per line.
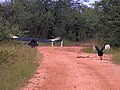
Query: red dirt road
x,y
61,70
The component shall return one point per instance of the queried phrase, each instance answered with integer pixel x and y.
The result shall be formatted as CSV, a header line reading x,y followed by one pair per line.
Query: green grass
x,y
114,51
90,50
18,65
116,56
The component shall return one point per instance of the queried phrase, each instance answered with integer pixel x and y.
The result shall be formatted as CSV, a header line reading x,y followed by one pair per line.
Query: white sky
x,y
87,3
90,0
2,0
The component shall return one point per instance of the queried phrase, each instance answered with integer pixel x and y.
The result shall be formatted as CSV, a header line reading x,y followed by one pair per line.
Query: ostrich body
x,y
33,43
100,51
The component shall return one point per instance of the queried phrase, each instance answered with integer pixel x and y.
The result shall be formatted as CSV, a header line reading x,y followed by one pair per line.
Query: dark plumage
x,y
33,43
100,51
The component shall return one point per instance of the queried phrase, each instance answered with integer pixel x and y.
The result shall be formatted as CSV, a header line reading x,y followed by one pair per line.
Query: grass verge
x,y
114,51
116,56
19,66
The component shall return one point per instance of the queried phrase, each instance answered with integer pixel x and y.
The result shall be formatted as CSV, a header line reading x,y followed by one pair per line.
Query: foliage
x,y
47,19
69,19
109,22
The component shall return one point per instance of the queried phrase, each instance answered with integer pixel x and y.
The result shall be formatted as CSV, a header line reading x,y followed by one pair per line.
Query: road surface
x,y
60,69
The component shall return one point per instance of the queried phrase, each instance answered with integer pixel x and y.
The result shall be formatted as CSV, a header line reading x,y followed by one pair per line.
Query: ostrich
x,y
33,43
100,50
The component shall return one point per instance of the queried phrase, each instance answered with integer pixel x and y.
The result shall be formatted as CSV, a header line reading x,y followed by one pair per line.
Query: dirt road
x,y
61,70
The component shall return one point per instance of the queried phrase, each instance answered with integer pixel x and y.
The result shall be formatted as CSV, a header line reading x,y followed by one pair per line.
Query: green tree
x,y
109,23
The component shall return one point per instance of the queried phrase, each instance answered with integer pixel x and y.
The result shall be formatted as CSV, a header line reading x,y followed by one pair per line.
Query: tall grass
x,y
20,65
116,56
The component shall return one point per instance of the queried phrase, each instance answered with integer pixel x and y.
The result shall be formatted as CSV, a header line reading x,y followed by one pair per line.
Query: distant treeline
x,y
69,19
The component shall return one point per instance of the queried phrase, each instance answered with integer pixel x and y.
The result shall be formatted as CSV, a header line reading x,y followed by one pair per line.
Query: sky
x,y
90,1
87,3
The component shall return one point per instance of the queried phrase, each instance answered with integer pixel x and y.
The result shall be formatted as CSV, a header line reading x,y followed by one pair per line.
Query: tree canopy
x,y
69,19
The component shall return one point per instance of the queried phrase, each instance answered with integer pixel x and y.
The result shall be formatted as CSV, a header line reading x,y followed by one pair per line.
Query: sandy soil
x,y
60,69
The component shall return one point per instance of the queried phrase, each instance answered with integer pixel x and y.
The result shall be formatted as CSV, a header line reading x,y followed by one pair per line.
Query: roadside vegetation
x,y
115,52
17,65
116,56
